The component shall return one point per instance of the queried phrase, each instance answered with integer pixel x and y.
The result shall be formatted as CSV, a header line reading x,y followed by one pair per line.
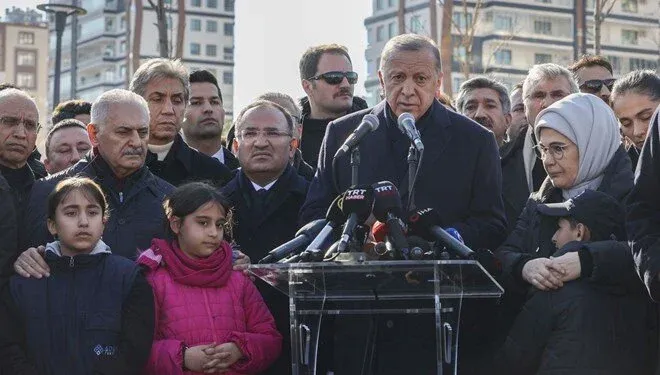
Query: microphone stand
x,y
355,165
412,175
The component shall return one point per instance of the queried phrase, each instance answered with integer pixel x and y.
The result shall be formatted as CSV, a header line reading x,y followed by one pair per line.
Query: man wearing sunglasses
x,y
594,76
327,76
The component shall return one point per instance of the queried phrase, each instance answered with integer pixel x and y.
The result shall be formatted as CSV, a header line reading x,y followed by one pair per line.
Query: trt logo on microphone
x,y
380,189
355,194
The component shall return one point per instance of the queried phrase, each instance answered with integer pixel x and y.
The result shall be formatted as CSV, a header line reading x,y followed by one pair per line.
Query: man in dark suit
x,y
164,84
267,194
459,177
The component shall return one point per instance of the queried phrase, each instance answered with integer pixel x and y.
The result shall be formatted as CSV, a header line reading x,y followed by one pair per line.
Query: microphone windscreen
x,y
421,222
335,214
379,231
360,201
312,228
386,199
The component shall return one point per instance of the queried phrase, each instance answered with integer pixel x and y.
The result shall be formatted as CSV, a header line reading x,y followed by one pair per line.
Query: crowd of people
x,y
125,251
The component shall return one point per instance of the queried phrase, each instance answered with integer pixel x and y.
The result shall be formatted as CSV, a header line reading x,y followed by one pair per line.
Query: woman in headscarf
x,y
580,146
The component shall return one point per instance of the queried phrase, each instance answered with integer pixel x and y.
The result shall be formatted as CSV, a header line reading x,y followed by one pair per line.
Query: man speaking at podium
x,y
459,177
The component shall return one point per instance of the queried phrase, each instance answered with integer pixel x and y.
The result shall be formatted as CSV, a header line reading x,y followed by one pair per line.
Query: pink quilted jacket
x,y
198,315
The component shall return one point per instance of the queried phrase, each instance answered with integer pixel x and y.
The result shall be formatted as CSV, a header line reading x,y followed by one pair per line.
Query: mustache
x,y
344,91
137,151
484,121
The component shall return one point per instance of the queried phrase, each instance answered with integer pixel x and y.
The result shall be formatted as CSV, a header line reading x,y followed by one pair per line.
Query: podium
x,y
365,287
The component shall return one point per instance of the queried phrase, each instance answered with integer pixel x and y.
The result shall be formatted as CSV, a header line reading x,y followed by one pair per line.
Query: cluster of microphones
x,y
395,236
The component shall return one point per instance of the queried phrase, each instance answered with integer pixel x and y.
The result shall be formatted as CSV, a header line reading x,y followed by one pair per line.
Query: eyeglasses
x,y
593,86
250,135
539,96
557,151
13,122
335,78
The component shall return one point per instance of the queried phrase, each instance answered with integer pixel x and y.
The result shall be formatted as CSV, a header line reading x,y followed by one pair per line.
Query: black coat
x,y
643,211
304,170
258,233
515,190
230,160
8,229
460,175
37,166
136,211
185,164
582,328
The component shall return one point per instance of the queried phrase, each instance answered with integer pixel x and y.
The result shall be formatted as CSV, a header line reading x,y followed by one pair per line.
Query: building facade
x,y
106,39
24,54
510,36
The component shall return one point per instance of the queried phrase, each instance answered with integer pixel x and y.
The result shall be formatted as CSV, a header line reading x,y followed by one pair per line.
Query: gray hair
x,y
263,103
284,100
413,43
548,71
642,82
159,68
17,93
483,83
102,106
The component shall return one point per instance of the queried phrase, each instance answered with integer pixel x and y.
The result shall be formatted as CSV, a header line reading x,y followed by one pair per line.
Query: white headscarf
x,y
590,123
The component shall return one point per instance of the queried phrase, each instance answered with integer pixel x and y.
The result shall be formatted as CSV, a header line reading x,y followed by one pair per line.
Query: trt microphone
x,y
334,218
407,126
302,238
369,123
388,209
357,206
424,222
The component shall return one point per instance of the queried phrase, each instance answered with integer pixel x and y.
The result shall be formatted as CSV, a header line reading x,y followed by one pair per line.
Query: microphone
x,y
423,223
388,209
302,238
357,205
369,123
419,248
407,126
334,218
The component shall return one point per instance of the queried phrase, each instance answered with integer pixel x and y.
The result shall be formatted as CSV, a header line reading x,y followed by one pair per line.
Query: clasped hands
x,y
551,273
212,358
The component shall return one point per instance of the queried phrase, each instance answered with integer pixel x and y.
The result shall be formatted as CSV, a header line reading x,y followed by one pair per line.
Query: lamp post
x,y
61,12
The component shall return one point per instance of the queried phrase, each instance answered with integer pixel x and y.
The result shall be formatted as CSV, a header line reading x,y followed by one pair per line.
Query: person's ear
x,y
93,132
234,146
52,228
581,232
307,86
175,224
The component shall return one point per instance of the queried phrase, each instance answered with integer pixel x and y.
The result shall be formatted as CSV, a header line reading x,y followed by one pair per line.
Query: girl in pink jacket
x,y
209,318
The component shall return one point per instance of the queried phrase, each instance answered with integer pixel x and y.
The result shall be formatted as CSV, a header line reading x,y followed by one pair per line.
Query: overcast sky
x,y
271,35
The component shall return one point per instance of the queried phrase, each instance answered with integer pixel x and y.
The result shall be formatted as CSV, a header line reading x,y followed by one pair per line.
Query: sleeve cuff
x,y
586,262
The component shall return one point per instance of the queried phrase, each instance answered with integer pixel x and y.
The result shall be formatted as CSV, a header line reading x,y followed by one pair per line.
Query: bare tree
x,y
602,9
129,51
161,24
446,48
401,15
137,37
466,28
181,28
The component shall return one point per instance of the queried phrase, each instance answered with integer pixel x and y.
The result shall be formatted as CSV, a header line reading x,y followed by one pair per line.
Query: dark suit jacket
x,y
460,174
185,164
230,160
515,190
8,229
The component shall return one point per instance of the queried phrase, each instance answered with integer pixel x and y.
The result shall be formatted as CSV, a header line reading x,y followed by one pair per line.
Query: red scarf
x,y
212,271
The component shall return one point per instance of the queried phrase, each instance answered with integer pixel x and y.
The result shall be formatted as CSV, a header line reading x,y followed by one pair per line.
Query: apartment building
x,y
24,54
510,36
106,43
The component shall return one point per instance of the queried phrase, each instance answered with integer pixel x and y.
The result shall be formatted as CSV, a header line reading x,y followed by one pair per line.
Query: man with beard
x,y
205,118
327,76
486,101
164,84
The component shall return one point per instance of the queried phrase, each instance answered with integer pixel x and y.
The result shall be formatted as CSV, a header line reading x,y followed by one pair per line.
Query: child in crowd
x,y
94,314
209,318
583,327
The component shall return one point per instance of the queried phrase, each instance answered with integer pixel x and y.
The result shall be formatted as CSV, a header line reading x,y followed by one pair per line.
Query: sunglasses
x,y
594,85
335,78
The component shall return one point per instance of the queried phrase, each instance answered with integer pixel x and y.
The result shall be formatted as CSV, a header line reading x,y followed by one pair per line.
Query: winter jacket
x,y
93,315
221,306
314,129
643,211
8,230
185,164
136,206
582,328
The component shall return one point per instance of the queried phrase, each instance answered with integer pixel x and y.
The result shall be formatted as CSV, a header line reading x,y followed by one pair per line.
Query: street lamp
x,y
61,12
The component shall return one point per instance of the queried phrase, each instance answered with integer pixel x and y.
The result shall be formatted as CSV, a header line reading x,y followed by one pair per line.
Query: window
x,y
196,3
503,57
122,71
390,3
229,29
629,6
615,61
122,23
25,80
211,26
380,31
195,24
543,27
25,38
228,53
380,4
370,36
211,50
122,46
502,22
195,49
416,25
228,78
109,24
457,82
639,64
229,5
459,53
544,1
26,58
629,37
462,20
391,30
542,58
212,3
